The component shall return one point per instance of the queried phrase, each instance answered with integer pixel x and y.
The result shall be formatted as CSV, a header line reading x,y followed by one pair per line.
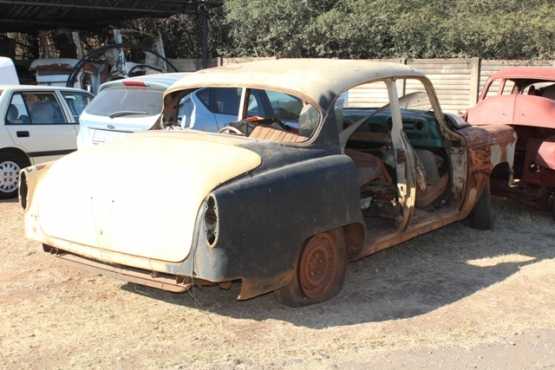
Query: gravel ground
x,y
455,298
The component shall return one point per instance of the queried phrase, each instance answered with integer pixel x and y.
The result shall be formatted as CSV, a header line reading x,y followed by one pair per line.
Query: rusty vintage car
x,y
524,98
280,199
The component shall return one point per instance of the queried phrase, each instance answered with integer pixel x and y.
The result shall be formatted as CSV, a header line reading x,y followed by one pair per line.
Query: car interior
x,y
370,147
275,116
528,167
284,118
543,89
29,108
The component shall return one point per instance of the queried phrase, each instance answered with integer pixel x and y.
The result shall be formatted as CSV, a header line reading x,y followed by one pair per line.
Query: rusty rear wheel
x,y
320,271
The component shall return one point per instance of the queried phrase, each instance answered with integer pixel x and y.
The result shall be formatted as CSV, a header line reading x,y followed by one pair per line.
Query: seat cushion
x,y
273,134
370,167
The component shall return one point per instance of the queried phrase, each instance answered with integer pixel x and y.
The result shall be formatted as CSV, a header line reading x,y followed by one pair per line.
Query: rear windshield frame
x,y
106,99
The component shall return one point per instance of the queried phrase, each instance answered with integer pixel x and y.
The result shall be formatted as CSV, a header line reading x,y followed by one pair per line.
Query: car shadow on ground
x,y
11,200
417,277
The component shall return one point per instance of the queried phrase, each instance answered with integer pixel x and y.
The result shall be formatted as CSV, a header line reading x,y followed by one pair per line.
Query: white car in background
x,y
134,104
37,124
8,73
122,107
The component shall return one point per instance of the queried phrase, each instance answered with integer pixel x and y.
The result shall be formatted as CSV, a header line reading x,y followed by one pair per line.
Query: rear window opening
x,y
266,115
120,102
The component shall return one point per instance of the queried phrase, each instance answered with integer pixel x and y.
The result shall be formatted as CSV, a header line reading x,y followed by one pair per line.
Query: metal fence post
x,y
476,66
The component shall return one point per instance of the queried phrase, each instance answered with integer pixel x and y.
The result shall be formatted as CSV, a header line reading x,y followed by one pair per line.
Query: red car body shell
x,y
517,109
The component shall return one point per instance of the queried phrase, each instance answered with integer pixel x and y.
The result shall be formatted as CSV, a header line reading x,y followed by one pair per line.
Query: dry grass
x,y
454,287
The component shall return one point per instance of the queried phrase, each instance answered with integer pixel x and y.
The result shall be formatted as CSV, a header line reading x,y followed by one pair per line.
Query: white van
x,y
8,73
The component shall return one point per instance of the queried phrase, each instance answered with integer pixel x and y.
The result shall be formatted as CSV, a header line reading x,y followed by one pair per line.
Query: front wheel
x,y
481,217
10,166
320,271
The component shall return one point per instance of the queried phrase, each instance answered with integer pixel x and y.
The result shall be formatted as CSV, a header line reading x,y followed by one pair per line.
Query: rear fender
x,y
29,179
265,219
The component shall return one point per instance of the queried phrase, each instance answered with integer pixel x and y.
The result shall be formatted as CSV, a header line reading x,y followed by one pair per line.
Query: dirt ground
x,y
455,298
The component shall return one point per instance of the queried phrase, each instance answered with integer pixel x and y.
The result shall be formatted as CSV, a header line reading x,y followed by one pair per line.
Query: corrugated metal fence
x,y
457,81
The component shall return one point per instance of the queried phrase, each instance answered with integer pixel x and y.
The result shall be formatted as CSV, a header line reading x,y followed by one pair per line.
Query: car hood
x,y
137,196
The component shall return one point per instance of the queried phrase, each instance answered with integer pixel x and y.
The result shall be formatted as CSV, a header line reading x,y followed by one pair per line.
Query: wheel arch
x,y
294,195
16,152
502,170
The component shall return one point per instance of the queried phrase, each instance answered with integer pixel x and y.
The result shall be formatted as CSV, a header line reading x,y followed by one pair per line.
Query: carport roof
x,y
33,15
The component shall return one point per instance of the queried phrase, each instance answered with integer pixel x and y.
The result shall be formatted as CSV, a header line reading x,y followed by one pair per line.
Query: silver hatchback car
x,y
134,104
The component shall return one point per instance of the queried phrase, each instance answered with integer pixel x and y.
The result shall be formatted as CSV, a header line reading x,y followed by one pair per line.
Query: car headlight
x,y
211,220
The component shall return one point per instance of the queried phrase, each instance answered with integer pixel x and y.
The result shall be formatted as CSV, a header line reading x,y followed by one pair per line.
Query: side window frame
x,y
61,105
209,93
14,94
67,109
186,99
262,101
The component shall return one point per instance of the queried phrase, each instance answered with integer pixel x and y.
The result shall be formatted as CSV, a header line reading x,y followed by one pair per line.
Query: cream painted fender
x,y
138,196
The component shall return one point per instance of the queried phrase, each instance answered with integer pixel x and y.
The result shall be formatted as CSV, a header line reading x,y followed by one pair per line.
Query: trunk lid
x,y
138,196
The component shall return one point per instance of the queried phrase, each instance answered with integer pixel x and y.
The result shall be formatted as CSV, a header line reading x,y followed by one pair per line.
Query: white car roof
x,y
316,80
40,88
66,62
159,81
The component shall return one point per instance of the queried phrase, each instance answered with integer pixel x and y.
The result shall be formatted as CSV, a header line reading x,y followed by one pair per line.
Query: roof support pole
x,y
203,14
77,42
44,45
121,63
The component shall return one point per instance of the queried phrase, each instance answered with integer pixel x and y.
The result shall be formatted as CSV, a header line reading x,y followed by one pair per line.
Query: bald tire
x,y
319,273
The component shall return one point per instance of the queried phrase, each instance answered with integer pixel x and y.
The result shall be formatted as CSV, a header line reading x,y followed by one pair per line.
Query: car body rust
x,y
251,211
523,98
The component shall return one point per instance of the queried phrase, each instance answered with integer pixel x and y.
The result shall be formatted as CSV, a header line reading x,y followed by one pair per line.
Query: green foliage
x,y
369,29
390,28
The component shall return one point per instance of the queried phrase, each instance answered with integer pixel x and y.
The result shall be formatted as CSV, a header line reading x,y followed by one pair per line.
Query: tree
x,y
369,29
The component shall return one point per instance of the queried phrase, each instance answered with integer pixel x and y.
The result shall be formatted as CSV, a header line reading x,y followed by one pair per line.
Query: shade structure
x,y
33,15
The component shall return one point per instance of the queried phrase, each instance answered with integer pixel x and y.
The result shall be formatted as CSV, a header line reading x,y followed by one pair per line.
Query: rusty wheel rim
x,y
318,266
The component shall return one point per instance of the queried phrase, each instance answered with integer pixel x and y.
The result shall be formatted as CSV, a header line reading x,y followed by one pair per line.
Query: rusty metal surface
x,y
252,287
318,266
434,222
489,145
531,114
486,146
305,192
174,284
533,164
